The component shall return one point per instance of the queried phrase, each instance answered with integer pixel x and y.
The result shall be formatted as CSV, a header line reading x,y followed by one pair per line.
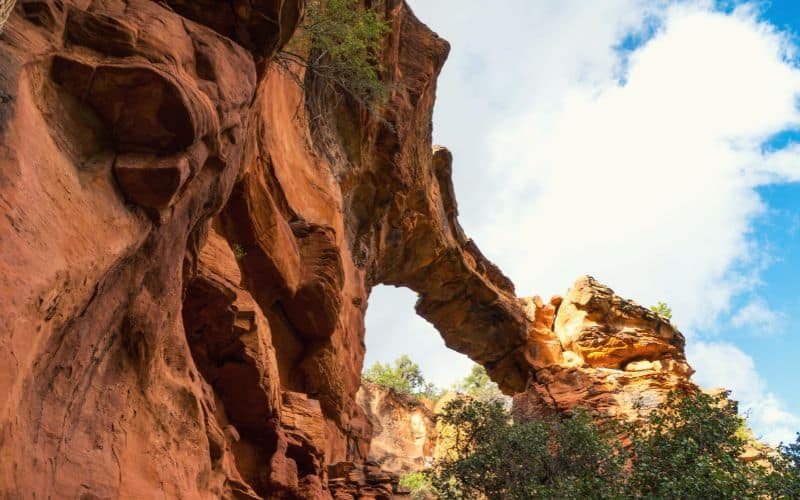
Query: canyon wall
x,y
186,256
404,435
188,245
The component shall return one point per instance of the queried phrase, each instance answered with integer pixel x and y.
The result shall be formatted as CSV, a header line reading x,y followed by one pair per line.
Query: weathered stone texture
x,y
404,433
188,244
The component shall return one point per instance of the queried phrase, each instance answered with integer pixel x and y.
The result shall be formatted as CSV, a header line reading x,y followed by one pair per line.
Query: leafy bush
x,y
404,377
419,484
687,448
238,251
490,456
690,448
340,43
479,386
663,310
791,453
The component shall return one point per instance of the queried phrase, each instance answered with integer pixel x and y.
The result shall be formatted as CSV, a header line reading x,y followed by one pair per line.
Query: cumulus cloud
x,y
649,183
758,317
725,365
622,139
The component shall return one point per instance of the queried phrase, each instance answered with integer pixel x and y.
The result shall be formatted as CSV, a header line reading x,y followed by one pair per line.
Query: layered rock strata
x,y
602,353
188,245
186,256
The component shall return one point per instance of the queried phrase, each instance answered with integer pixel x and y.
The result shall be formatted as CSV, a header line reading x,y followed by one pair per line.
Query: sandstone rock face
x,y
186,257
403,429
189,242
349,481
617,358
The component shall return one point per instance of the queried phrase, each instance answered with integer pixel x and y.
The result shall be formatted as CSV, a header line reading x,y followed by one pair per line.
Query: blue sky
x,y
652,144
775,344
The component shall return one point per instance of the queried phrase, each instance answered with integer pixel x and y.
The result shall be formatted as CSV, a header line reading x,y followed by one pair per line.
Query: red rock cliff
x,y
189,242
186,257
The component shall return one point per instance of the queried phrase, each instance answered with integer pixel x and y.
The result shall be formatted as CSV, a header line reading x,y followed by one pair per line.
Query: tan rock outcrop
x,y
607,331
403,429
618,358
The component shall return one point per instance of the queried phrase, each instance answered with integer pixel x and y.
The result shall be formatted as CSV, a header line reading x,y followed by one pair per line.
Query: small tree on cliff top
x,y
479,386
403,376
663,310
339,42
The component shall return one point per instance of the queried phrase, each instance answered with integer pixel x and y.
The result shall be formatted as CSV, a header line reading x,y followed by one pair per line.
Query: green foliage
x,y
686,448
479,386
493,457
784,476
419,484
403,376
663,310
339,42
238,251
690,448
791,453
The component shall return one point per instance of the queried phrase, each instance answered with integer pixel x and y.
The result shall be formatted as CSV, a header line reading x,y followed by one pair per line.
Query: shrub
x,y
784,473
690,448
339,43
490,456
479,386
686,448
404,377
418,484
238,251
791,453
663,310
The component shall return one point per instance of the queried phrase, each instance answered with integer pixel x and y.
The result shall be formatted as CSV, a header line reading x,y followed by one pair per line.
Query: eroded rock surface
x,y
186,258
616,358
404,429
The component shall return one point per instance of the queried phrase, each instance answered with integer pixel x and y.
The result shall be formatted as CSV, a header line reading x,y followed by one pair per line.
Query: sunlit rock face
x,y
186,256
188,244
606,331
404,434
617,358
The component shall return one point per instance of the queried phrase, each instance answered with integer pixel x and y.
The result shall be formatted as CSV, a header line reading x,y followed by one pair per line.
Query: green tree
x,y
689,447
493,457
419,484
339,43
784,471
663,310
478,385
791,452
403,376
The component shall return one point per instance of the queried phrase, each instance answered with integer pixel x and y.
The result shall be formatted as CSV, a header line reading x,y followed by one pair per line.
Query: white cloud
x,y
759,317
724,365
650,184
570,159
